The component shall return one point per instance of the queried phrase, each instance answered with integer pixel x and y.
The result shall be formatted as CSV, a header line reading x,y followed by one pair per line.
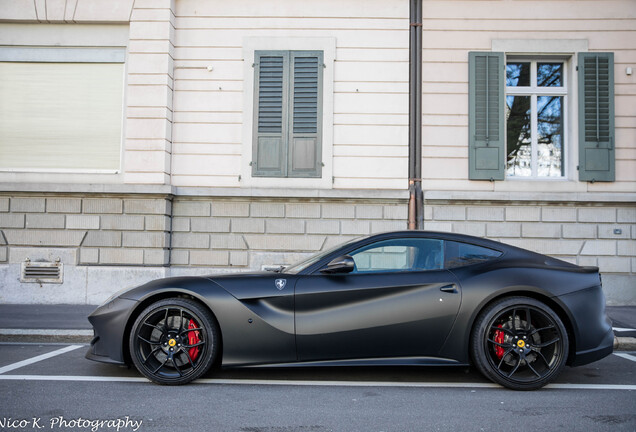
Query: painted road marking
x,y
316,383
44,332
626,356
622,329
38,344
38,358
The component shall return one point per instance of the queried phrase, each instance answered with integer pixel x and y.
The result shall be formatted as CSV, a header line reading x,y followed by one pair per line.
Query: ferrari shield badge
x,y
280,283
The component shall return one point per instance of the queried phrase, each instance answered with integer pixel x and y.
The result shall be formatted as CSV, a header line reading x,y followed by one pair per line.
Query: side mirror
x,y
341,264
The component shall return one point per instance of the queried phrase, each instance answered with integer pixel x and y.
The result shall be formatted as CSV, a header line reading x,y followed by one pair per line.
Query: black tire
x,y
520,343
174,341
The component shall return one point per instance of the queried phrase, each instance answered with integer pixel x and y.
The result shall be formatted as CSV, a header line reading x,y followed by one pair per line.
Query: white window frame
x,y
534,91
567,48
251,44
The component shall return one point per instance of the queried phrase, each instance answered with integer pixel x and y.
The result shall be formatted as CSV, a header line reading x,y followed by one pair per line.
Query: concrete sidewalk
x,y
68,323
45,323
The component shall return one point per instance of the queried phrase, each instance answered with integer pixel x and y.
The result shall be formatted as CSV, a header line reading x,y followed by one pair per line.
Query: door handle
x,y
452,288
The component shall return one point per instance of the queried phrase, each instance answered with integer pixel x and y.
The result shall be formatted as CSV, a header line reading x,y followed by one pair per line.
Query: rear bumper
x,y
605,348
593,338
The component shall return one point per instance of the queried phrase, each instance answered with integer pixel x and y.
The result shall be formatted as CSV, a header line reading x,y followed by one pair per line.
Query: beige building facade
x,y
149,138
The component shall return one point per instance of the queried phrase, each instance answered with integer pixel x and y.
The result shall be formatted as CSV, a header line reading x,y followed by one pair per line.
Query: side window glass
x,y
463,254
399,255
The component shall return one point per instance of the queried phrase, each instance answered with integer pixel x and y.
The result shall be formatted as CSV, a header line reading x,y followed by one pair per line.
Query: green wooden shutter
x,y
596,117
269,154
486,148
305,149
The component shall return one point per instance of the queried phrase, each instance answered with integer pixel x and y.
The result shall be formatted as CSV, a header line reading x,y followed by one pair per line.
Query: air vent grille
x,y
42,272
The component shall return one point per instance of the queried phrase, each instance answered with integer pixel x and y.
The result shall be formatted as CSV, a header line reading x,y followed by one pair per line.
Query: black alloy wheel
x,y
519,343
174,341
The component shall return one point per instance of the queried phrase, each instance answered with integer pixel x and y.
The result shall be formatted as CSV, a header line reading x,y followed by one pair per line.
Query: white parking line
x,y
626,356
297,383
38,358
38,344
70,378
45,332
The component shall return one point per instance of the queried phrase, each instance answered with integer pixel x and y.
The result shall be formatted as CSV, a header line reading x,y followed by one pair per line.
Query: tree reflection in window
x,y
550,74
549,136
535,99
518,74
518,134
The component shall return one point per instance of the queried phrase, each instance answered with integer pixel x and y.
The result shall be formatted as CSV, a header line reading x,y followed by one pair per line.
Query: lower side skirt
x,y
401,361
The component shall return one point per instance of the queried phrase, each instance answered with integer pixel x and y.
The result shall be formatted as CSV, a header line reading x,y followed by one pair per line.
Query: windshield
x,y
298,267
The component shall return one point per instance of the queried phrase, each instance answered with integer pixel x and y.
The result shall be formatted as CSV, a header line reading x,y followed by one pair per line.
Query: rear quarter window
x,y
462,254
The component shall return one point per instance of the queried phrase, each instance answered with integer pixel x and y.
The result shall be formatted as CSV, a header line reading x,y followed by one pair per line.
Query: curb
x,y
624,344
46,335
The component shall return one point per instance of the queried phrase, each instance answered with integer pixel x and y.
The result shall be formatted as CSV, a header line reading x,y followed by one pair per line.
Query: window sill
x,y
530,197
358,194
396,196
538,179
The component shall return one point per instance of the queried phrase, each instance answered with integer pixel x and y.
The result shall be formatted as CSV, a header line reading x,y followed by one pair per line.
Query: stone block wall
x,y
251,234
105,230
107,242
587,234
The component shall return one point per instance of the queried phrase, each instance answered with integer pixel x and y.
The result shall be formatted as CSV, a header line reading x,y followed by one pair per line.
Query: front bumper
x,y
109,326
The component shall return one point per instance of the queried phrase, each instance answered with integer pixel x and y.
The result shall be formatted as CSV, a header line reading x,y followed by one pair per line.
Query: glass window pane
x,y
550,136
399,255
462,254
517,74
550,74
518,136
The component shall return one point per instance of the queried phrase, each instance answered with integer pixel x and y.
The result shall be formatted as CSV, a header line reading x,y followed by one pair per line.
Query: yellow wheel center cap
x,y
521,344
173,342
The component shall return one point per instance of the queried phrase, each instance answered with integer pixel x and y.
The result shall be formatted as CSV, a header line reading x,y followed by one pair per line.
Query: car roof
x,y
465,238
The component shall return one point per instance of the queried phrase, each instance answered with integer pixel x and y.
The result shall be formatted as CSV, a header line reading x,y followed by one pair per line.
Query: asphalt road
x,y
52,387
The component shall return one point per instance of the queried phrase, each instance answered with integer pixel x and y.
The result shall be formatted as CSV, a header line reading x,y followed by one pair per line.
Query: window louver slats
x,y
596,116
487,98
270,100
486,115
305,110
597,100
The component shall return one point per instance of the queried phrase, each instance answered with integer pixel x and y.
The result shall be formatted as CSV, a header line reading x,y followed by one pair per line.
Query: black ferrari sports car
x,y
397,298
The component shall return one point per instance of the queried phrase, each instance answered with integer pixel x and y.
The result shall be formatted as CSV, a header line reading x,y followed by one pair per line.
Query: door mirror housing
x,y
341,264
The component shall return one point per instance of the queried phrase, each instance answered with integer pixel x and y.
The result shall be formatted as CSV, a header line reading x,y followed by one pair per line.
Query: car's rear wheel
x,y
174,341
520,343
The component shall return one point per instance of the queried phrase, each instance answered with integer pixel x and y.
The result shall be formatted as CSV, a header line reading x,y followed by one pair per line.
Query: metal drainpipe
x,y
416,209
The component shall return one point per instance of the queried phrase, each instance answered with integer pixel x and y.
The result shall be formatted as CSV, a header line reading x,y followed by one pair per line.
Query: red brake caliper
x,y
193,339
499,338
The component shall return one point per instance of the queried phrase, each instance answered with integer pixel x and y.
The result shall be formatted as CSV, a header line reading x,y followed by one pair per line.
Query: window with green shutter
x,y
596,117
288,113
486,120
528,96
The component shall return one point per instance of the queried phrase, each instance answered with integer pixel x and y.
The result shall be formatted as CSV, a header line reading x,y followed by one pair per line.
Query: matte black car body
x,y
412,317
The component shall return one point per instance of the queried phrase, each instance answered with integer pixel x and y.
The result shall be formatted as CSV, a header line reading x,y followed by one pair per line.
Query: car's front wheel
x,y
520,343
174,341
